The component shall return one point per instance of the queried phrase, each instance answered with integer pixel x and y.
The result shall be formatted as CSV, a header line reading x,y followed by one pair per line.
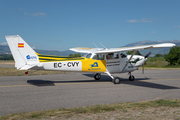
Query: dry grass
x,y
7,62
158,109
15,72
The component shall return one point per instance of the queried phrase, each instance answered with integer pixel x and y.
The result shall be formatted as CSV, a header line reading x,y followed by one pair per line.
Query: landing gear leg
x,y
131,77
115,80
97,76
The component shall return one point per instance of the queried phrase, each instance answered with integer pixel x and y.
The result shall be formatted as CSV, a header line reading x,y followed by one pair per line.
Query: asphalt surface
x,y
35,93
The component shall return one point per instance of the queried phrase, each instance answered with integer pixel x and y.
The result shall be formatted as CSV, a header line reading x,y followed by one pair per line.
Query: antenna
x,y
96,45
103,45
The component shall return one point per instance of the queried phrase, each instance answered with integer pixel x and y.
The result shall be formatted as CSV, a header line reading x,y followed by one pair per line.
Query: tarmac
x,y
69,90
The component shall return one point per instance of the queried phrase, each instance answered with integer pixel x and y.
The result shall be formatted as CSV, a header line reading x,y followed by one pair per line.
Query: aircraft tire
x,y
131,78
97,76
116,80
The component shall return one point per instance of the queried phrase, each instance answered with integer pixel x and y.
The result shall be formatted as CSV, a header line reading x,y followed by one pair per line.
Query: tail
x,y
25,57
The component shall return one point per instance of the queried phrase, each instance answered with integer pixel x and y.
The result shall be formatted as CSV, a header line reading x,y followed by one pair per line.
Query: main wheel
x,y
116,80
131,78
97,76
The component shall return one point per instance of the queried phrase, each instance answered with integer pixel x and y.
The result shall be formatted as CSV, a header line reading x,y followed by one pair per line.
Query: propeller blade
x,y
139,53
148,55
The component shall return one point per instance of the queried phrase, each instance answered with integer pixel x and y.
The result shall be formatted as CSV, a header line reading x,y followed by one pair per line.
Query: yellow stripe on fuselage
x,y
88,64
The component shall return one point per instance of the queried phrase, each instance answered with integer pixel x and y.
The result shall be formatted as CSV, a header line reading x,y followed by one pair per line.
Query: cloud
x,y
177,26
145,20
4,43
38,14
141,20
34,47
153,32
21,9
131,21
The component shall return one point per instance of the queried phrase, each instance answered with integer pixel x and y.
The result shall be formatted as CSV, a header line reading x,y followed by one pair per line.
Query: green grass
x,y
123,108
159,62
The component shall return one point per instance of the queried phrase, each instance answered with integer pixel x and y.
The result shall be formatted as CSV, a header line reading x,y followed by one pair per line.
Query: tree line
x,y
6,57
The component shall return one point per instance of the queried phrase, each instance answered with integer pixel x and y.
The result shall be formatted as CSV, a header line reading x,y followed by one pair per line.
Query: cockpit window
x,y
88,55
98,57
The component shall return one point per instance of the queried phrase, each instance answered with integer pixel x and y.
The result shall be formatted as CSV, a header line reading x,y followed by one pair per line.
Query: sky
x,y
63,24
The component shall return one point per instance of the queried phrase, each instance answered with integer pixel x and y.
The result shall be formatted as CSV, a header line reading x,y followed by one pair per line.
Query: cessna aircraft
x,y
97,60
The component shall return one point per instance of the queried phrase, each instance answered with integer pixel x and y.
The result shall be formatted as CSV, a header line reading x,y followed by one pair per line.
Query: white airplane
x,y
97,60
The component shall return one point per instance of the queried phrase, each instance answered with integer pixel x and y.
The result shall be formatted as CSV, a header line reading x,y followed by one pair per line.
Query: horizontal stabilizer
x,y
27,67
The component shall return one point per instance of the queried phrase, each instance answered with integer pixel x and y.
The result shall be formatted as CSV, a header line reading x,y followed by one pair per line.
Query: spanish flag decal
x,y
20,45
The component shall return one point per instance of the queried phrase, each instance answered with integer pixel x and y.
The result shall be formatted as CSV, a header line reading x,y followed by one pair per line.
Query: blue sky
x,y
63,24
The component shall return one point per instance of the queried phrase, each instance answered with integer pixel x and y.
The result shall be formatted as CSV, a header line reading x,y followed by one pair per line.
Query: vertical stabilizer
x,y
22,53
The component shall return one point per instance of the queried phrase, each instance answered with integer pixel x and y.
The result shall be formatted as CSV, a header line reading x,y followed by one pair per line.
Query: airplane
x,y
96,60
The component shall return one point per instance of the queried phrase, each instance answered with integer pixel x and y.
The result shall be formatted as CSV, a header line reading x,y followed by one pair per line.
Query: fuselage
x,y
98,63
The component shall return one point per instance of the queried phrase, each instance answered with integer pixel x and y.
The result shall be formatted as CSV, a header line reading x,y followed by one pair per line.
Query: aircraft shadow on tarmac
x,y
104,78
52,83
138,82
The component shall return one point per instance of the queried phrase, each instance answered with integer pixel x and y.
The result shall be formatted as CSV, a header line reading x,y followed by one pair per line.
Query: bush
x,y
173,57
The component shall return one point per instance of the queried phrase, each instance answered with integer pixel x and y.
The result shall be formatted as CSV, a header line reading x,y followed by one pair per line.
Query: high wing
x,y
86,50
112,50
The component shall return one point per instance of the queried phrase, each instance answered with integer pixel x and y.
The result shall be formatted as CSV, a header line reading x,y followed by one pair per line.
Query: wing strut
x,y
129,59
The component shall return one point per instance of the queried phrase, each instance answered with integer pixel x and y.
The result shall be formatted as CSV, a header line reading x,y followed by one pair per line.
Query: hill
x,y
153,51
5,49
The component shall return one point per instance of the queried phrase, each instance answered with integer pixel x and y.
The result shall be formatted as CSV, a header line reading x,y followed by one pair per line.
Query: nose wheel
x,y
131,77
97,76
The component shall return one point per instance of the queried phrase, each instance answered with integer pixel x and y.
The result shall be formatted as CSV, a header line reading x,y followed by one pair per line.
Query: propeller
x,y
146,56
139,53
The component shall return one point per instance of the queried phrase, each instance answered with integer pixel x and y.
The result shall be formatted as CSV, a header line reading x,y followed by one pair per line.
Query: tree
x,y
159,55
173,57
75,55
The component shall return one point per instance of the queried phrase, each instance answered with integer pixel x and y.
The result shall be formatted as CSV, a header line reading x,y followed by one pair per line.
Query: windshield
x,y
88,55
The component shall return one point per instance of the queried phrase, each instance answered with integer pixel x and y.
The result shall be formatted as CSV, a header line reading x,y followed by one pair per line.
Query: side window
x,y
123,55
99,57
95,57
116,55
112,56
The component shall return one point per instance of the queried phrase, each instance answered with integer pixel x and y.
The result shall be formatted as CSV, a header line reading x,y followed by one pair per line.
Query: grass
x,y
169,109
159,62
15,72
10,62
